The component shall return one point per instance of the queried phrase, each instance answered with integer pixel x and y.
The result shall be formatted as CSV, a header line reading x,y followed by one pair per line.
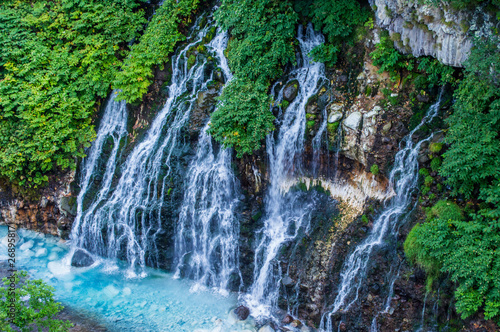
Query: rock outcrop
x,y
437,30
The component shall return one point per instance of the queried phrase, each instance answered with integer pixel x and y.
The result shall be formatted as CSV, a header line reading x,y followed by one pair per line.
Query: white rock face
x,y
438,31
353,120
334,117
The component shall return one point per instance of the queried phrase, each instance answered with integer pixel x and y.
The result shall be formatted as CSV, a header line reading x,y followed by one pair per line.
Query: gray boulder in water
x,y
81,259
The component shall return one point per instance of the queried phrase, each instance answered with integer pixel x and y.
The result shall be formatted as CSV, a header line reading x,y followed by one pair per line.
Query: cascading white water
x,y
126,224
206,242
113,125
403,180
285,214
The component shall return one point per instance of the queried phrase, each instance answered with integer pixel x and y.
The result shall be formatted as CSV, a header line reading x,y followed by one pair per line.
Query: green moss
x,y
424,172
368,91
445,210
435,147
332,128
310,116
428,181
191,61
201,49
364,219
310,124
374,169
169,191
285,104
425,190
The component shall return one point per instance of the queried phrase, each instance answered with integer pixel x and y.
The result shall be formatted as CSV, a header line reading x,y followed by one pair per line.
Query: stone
x,y
81,259
287,281
387,127
336,107
290,91
334,117
423,98
296,323
342,326
266,328
394,95
242,312
369,297
353,121
43,202
287,320
361,76
68,205
423,158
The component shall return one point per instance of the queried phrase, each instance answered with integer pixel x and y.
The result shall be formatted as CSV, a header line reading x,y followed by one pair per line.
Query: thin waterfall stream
x,y
206,242
403,180
286,214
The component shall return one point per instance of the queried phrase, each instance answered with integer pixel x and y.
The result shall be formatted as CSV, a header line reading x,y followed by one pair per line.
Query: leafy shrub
x,y
58,57
473,158
326,53
435,164
425,190
243,117
428,181
153,48
263,43
467,251
374,169
34,305
423,172
416,254
445,210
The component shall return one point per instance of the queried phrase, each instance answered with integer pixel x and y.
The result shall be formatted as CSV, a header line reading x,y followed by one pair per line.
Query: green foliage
x,y
387,58
326,53
425,190
468,251
153,48
34,305
437,73
374,169
263,43
416,254
243,116
310,124
428,181
364,219
263,37
445,210
337,19
435,147
435,164
57,58
423,172
473,159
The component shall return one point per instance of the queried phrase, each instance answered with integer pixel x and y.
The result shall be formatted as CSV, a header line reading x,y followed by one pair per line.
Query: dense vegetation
x,y
34,306
154,48
58,58
263,43
465,244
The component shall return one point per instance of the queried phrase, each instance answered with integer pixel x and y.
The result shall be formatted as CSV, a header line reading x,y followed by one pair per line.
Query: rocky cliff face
x,y
437,30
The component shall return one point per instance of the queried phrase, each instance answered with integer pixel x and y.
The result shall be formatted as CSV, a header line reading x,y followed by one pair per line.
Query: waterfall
x,y
286,215
126,225
113,125
206,242
403,180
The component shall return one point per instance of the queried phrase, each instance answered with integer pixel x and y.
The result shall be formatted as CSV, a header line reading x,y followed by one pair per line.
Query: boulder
x,y
287,320
242,312
266,328
353,121
81,259
334,117
291,91
287,281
